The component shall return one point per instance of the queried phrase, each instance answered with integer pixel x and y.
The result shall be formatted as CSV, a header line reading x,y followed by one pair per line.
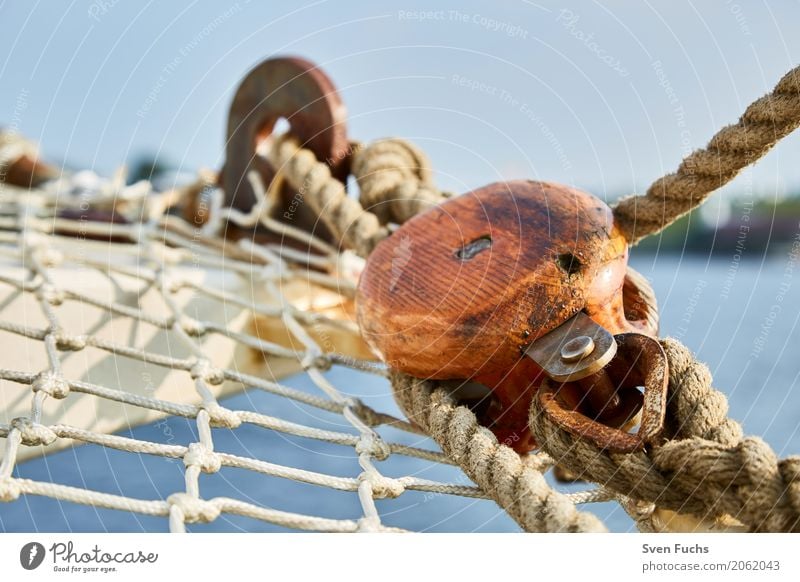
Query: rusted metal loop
x,y
289,88
644,363
640,361
639,302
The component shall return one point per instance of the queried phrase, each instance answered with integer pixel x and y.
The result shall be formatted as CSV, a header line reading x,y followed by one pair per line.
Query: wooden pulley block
x,y
511,285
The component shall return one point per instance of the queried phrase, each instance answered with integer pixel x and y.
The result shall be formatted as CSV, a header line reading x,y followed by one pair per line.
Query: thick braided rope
x,y
344,216
395,180
705,468
734,147
518,488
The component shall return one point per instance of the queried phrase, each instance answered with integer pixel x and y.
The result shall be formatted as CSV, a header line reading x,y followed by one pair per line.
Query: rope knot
x,y
204,370
9,490
382,486
315,359
203,457
33,434
52,384
194,510
70,343
219,417
373,445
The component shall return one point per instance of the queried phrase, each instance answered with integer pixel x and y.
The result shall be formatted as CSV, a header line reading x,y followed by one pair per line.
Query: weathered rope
x,y
394,180
705,468
518,488
763,124
327,196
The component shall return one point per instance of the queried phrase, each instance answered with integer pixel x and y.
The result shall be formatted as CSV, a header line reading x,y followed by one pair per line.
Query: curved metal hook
x,y
294,89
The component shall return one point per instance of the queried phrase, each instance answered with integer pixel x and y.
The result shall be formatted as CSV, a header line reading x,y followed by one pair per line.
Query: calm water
x,y
741,318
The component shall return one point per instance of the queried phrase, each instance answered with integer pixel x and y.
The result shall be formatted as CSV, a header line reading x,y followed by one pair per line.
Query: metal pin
x,y
577,348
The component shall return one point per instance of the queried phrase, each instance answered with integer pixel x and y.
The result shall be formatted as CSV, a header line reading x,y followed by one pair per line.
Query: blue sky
x,y
606,97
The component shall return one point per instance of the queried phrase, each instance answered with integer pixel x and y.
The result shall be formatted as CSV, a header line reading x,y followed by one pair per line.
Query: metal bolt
x,y
577,348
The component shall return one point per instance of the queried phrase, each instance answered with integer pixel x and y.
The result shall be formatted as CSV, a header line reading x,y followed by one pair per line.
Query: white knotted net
x,y
108,324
